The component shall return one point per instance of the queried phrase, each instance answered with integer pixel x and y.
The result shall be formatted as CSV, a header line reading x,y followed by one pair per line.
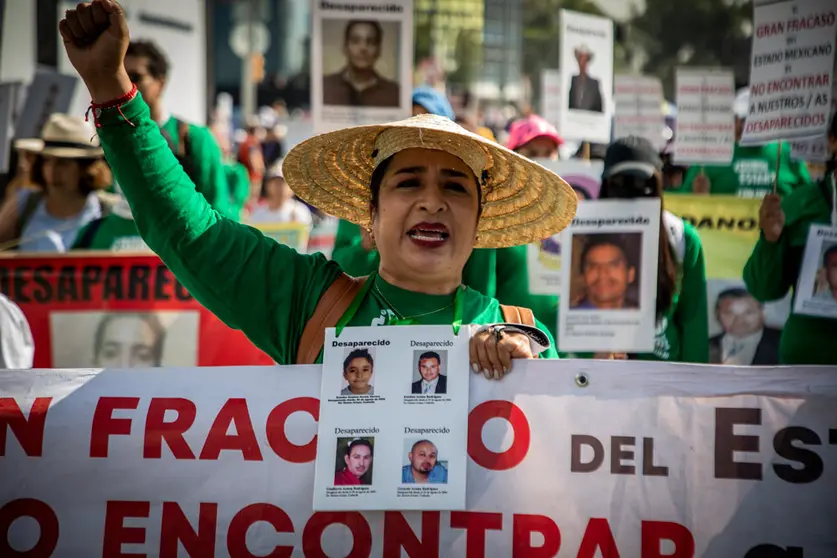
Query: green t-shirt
x,y
500,273
208,172
751,173
251,282
238,182
773,270
112,232
682,335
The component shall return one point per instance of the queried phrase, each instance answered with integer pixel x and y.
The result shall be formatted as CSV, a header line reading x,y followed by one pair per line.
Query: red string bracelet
x,y
117,103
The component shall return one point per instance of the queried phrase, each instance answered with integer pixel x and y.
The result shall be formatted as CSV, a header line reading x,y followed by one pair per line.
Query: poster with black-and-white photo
x,y
791,70
361,62
816,292
609,277
587,77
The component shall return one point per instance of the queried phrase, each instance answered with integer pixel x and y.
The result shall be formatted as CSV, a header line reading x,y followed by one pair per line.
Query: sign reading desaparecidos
x,y
393,419
609,277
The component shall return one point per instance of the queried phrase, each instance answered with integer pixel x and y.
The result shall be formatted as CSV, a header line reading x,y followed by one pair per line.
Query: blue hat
x,y
433,101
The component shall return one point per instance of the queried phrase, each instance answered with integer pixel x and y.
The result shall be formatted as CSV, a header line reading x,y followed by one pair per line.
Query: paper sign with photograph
x,y
608,279
543,259
361,63
816,292
393,415
587,84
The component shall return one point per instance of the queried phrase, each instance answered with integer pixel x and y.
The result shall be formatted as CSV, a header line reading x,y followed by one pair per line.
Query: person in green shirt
x,y
194,145
114,232
428,190
753,168
774,266
632,169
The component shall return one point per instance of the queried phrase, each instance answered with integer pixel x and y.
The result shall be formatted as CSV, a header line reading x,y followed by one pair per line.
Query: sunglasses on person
x,y
629,186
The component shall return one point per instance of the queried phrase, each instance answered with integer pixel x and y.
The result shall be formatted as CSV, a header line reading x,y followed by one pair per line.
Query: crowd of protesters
x,y
61,195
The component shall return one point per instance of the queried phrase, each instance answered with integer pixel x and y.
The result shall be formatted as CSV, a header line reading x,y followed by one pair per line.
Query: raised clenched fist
x,y
96,39
771,217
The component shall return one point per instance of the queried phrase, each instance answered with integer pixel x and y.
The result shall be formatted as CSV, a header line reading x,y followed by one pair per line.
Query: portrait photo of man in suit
x,y
746,340
358,83
585,91
430,369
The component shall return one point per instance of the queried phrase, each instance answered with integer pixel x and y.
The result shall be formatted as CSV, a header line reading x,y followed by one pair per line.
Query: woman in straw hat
x,y
428,190
72,170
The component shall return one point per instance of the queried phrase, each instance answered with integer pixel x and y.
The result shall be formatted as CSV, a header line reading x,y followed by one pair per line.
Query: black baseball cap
x,y
631,155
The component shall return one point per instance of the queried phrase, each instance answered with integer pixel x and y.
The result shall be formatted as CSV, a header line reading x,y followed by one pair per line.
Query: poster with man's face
x,y
587,77
361,63
816,292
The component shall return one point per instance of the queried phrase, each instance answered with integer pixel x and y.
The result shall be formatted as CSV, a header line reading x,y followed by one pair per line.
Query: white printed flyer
x,y
609,277
705,124
791,70
393,419
639,102
816,292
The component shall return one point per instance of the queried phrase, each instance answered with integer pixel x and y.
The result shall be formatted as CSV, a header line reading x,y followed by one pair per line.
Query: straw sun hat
x,y
522,201
64,136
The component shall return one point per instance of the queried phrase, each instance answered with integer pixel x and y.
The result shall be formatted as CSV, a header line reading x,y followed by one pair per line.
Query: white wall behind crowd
x,y
645,460
178,28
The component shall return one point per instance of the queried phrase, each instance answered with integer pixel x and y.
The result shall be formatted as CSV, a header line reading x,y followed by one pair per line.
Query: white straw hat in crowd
x,y
64,136
522,201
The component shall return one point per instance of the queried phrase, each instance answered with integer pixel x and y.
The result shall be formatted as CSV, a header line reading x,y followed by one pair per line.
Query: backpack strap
x,y
86,240
30,205
518,315
331,307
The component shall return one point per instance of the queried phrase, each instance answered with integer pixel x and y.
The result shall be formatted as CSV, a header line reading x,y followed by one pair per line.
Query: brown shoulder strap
x,y
518,315
331,307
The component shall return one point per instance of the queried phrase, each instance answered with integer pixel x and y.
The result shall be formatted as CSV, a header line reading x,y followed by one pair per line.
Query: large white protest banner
x,y
646,460
791,70
639,108
705,126
587,77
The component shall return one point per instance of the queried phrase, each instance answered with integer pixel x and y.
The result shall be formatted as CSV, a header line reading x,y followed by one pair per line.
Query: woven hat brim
x,y
523,202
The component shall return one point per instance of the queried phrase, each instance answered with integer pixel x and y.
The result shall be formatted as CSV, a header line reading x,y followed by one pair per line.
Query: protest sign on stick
x,y
639,112
705,126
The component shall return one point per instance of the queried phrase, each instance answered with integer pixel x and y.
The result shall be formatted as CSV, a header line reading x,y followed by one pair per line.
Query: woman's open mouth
x,y
429,235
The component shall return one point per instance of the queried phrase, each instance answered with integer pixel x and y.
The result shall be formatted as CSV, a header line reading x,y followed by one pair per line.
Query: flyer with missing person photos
x,y
393,419
609,277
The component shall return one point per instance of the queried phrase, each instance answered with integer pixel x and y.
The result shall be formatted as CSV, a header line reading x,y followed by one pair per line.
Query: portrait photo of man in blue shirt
x,y
424,467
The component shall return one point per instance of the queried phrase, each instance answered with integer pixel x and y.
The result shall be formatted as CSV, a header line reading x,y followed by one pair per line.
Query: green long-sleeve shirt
x,y
208,173
682,335
773,269
238,181
251,282
500,273
752,172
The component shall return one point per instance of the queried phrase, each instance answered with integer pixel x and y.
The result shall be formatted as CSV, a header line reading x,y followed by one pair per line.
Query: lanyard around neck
x,y
458,308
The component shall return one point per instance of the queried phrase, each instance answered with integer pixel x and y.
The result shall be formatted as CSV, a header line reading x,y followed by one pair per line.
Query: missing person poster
x,y
791,70
639,112
117,311
705,124
587,83
393,419
361,62
816,293
543,259
609,277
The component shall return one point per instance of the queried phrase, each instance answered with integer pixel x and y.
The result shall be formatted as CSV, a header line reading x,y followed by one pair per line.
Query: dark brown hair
x,y
158,64
94,174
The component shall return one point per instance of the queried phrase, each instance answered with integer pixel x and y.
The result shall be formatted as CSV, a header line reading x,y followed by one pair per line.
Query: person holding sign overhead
x,y
774,266
428,191
633,169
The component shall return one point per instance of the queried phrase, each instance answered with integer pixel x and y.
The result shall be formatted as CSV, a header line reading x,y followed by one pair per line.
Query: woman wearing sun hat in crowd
x,y
775,264
75,177
428,190
633,170
499,273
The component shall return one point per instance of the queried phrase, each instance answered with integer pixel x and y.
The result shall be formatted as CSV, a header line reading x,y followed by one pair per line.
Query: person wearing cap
x,y
74,174
278,204
194,145
632,170
752,171
428,190
774,266
534,137
585,91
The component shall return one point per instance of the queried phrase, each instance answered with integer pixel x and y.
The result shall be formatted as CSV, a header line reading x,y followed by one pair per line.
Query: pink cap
x,y
526,129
